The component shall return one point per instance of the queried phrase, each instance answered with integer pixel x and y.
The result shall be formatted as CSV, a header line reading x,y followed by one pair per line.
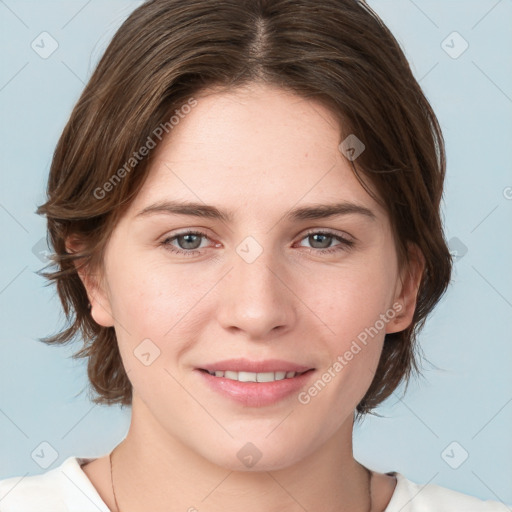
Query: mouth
x,y
254,376
255,383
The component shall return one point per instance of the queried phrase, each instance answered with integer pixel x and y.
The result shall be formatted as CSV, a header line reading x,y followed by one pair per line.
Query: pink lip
x,y
256,394
245,365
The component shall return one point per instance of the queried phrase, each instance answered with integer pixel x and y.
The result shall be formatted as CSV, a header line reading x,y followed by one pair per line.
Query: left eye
x,y
189,242
324,238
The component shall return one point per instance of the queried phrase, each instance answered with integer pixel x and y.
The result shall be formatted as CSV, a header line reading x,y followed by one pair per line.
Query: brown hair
x,y
337,52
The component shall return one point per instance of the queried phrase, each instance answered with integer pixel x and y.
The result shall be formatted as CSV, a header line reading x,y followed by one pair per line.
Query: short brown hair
x,y
337,52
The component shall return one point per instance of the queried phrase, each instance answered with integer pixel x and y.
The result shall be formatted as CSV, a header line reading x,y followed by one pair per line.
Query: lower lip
x,y
256,394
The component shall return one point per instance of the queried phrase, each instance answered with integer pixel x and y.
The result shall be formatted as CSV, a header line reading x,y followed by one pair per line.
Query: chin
x,y
257,455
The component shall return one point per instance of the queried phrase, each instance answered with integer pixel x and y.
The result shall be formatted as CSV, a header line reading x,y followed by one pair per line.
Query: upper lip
x,y
246,365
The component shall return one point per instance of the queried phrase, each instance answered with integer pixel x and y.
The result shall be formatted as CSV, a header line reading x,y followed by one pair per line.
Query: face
x,y
255,280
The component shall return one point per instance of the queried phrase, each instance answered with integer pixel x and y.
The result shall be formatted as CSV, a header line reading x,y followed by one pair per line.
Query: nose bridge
x,y
254,298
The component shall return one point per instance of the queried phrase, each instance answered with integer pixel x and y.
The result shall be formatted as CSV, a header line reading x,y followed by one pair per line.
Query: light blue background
x,y
467,399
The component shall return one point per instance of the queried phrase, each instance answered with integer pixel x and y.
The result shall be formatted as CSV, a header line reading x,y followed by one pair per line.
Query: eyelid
x,y
328,231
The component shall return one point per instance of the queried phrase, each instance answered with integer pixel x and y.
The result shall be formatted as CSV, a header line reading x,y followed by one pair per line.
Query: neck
x,y
329,478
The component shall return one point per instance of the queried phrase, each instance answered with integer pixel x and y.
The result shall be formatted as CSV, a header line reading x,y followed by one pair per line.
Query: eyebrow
x,y
310,212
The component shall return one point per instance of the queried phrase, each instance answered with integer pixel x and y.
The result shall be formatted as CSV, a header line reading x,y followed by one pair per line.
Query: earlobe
x,y
99,306
409,283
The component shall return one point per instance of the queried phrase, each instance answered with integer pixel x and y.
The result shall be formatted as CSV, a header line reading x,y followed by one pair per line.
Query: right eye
x,y
190,242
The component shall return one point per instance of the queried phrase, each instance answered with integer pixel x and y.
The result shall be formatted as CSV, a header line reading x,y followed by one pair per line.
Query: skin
x,y
257,152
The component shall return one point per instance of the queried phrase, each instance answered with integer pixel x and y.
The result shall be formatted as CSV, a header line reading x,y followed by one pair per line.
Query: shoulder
x,y
412,497
59,490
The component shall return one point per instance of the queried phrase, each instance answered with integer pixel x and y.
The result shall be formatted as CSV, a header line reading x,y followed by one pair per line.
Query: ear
x,y
407,290
95,287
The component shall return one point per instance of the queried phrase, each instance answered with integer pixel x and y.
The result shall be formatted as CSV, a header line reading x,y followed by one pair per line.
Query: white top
x,y
67,489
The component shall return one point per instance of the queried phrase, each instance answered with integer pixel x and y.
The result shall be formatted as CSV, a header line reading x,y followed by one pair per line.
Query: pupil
x,y
188,241
325,237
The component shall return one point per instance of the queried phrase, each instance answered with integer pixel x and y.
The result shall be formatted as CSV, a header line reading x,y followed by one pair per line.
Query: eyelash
x,y
344,245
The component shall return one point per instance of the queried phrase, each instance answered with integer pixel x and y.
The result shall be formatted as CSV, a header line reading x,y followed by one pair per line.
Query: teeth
x,y
254,377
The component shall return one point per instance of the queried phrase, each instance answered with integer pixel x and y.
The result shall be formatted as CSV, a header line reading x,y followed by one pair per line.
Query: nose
x,y
255,298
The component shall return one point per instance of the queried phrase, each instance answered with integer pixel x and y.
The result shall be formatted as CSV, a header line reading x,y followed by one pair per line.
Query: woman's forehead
x,y
258,146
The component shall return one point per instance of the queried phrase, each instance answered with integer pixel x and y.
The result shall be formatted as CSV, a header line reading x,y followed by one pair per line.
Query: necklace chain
x,y
118,509
112,480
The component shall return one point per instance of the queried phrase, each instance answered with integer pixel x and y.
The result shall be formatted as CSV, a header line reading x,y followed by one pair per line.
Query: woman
x,y
244,209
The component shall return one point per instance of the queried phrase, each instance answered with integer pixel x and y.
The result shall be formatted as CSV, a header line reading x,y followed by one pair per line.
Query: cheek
x,y
351,313
349,300
138,301
157,300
